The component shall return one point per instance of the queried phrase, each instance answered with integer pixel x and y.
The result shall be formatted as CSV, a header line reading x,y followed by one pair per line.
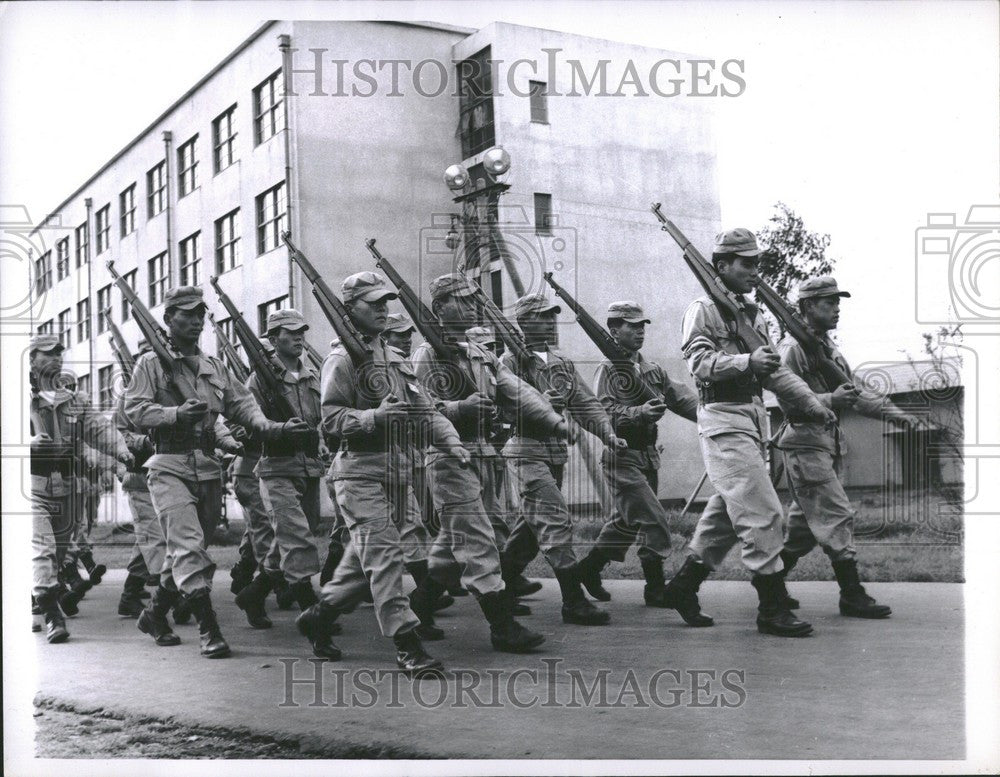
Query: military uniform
x,y
821,512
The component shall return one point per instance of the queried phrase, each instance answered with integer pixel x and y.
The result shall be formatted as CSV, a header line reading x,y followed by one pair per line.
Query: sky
x,y
863,117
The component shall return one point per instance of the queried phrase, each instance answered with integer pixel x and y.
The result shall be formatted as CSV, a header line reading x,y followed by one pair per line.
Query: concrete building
x,y
311,127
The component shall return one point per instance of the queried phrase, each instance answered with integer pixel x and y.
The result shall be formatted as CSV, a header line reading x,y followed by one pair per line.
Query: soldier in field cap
x,y
821,512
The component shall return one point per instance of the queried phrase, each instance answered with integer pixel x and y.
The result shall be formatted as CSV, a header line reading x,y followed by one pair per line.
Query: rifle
x,y
631,382
155,335
260,360
511,337
425,320
712,284
120,349
331,306
314,357
238,368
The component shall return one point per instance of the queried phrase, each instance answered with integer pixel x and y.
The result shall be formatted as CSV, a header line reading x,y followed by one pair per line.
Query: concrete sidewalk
x,y
656,688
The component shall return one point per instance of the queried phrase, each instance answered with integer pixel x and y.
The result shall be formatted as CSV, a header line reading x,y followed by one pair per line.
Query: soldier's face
x,y
289,344
540,328
46,364
740,275
457,311
631,336
186,324
401,340
824,313
370,317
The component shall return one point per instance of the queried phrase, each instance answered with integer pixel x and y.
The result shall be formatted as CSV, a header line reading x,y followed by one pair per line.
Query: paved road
x,y
856,689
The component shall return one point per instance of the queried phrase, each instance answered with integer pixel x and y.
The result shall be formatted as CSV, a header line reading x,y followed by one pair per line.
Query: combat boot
x,y
655,591
182,611
153,619
317,625
681,593
130,603
854,600
773,615
36,616
73,580
242,572
55,626
522,586
589,571
411,656
283,595
422,600
506,634
789,560
95,571
418,571
251,601
212,643
333,557
576,608
69,600
303,594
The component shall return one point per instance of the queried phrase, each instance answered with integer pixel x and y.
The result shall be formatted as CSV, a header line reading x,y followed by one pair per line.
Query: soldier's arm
x,y
586,409
623,417
795,359
338,399
241,406
679,398
524,399
442,433
136,441
140,405
99,431
790,388
706,358
431,375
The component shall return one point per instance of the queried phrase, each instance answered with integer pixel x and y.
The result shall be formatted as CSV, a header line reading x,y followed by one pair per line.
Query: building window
x,y
82,245
83,384
187,167
43,273
539,106
126,202
270,218
105,387
156,190
224,140
62,259
496,288
65,328
83,320
191,260
158,279
47,328
103,228
268,117
103,308
263,311
543,214
227,242
129,278
475,104
226,325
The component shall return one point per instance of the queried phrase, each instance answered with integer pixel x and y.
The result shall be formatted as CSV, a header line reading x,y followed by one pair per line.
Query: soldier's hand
x,y
764,360
294,427
827,417
556,399
240,434
41,443
846,395
461,454
618,443
191,411
126,458
477,405
566,432
653,410
391,410
230,446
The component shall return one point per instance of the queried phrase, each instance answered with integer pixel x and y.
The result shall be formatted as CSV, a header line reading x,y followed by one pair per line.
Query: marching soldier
x,y
821,513
62,423
184,476
633,473
289,473
732,423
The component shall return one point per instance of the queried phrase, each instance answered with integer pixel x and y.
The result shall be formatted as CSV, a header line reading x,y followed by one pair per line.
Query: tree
x,y
789,254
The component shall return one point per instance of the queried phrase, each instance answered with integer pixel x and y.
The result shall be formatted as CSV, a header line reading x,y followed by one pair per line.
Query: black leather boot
x,y
182,611
506,634
655,592
422,600
242,572
681,593
55,626
854,600
130,603
411,656
74,581
418,571
36,613
283,595
153,619
333,557
303,593
589,571
316,624
773,615
522,586
251,601
95,571
789,559
69,600
576,608
212,643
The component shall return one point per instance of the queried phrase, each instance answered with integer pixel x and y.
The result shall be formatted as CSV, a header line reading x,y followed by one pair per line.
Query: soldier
x,y
370,474
821,513
499,389
61,422
289,474
535,462
732,424
633,473
184,477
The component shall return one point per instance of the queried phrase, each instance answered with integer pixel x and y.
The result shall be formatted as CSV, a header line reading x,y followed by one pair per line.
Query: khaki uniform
x,y
370,475
732,425
467,534
57,490
259,532
290,476
185,478
633,473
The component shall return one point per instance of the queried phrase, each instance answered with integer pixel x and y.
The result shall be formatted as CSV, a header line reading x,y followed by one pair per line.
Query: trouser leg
x,y
188,512
295,503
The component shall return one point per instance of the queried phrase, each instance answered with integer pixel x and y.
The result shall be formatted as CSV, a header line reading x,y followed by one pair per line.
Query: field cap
x,y
44,343
821,286
453,284
289,319
739,241
482,335
397,322
184,297
533,304
367,286
628,311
